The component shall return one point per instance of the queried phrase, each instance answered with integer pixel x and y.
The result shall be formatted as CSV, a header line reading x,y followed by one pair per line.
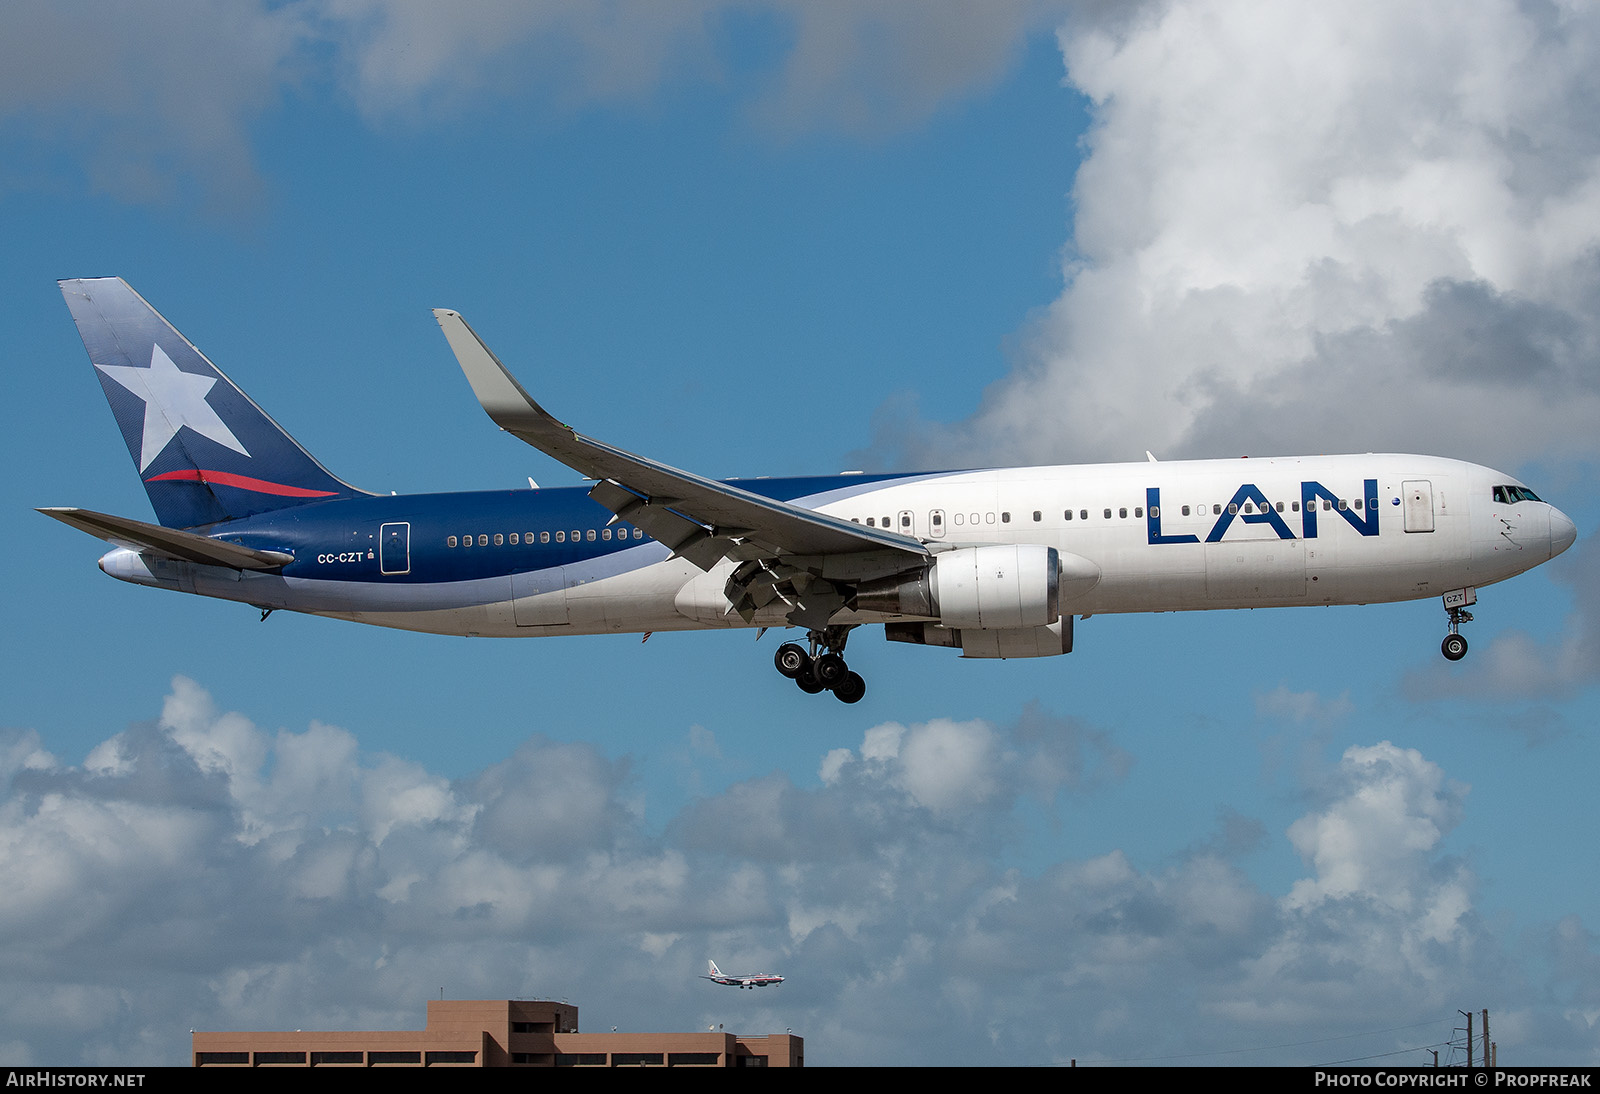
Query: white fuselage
x,y
1140,537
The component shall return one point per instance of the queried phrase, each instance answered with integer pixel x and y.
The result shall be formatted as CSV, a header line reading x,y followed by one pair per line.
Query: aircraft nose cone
x,y
1562,532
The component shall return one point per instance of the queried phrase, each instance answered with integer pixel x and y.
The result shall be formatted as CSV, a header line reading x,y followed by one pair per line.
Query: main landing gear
x,y
815,673
1454,647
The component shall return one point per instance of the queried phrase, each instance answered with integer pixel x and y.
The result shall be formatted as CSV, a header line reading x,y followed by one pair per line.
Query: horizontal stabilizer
x,y
168,542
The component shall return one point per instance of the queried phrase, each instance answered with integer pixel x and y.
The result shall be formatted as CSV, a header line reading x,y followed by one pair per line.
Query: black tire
x,y
851,688
1454,647
830,669
809,683
791,660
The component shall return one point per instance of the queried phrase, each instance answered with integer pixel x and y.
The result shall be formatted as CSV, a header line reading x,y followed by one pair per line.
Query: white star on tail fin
x,y
172,399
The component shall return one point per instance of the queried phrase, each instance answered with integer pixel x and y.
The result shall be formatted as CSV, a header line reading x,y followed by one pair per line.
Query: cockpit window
x,y
1510,495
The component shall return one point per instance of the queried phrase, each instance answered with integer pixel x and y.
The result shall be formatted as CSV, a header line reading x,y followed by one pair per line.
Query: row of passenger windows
x,y
1216,509
499,539
1121,512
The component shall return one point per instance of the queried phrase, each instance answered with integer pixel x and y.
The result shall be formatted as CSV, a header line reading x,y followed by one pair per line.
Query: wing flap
x,y
168,542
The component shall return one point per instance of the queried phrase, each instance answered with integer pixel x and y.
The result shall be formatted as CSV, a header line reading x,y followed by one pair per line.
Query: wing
x,y
699,519
169,542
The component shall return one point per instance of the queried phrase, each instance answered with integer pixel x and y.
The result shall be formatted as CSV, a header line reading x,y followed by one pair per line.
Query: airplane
x,y
718,977
993,563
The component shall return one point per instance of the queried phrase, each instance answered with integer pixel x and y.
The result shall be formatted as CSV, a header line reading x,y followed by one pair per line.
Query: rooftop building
x,y
495,1033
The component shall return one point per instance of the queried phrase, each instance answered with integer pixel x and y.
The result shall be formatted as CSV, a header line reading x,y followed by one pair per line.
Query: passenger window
x,y
1216,509
1343,505
1326,505
605,533
451,542
1155,512
1069,514
1295,506
638,533
1005,518
515,539
499,540
483,541
870,522
960,518
1280,507
544,537
561,537
590,536
1138,510
1233,508
1083,514
1108,514
1037,516
1185,510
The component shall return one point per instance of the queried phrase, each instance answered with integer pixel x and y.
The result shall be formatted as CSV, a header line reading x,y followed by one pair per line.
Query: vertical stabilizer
x,y
205,451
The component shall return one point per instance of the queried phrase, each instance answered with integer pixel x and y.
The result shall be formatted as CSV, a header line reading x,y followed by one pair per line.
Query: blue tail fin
x,y
206,453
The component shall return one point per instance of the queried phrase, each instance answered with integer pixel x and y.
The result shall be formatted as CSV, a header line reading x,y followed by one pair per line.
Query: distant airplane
x,y
993,563
718,977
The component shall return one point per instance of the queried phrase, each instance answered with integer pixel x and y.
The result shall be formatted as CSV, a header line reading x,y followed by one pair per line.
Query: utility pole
x,y
1468,1013
1488,1045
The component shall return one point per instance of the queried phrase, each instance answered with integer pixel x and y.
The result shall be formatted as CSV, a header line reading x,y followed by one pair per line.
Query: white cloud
x,y
146,95
23,750
1303,706
156,100
1309,228
327,887
949,766
1375,840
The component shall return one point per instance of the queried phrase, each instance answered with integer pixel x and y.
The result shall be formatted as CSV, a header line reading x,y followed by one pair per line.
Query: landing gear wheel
x,y
830,669
850,689
791,660
1454,647
809,683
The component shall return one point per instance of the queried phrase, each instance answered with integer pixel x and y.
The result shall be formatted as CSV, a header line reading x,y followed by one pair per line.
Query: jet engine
x,y
998,587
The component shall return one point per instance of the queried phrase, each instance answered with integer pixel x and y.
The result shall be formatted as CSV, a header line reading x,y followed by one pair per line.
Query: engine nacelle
x,y
998,587
1013,642
1001,587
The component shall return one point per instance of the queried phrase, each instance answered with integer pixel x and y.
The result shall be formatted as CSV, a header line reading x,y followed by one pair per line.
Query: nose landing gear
x,y
1454,647
815,673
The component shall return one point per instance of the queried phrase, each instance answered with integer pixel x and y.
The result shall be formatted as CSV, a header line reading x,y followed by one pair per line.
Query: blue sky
x,y
771,238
